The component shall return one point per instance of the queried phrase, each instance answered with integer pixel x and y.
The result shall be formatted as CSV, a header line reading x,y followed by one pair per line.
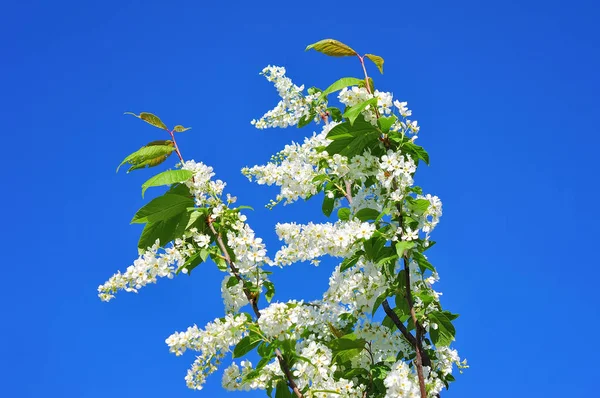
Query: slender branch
x,y
175,145
288,374
252,299
348,191
418,346
394,317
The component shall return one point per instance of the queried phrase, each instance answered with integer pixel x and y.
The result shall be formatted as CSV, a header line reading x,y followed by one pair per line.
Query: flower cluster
x,y
356,288
152,264
307,242
401,382
294,105
294,169
206,191
395,174
213,343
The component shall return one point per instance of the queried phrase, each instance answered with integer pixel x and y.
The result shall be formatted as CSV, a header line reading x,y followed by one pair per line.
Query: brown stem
x,y
175,145
418,346
252,299
288,374
394,317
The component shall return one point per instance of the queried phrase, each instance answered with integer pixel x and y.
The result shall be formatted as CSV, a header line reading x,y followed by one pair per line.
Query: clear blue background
x,y
507,96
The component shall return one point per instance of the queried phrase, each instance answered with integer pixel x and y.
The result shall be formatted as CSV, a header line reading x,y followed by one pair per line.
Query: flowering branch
x,y
252,299
365,154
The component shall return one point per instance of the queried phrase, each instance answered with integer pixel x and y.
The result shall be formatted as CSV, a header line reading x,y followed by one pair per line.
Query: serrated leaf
x,y
353,112
150,119
340,84
180,129
350,140
167,178
246,345
444,334
422,262
162,208
150,155
416,150
332,48
164,230
148,163
377,60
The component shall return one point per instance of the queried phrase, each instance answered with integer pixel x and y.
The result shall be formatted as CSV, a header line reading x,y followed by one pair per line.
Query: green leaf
x,y
150,118
180,189
444,334
332,48
346,342
416,150
270,290
192,262
328,202
350,140
340,84
373,247
402,246
402,308
180,129
335,114
162,208
386,123
306,119
194,217
282,390
246,345
366,214
232,281
418,206
151,155
377,60
167,178
422,261
378,302
450,315
353,112
351,261
164,230
344,213
219,261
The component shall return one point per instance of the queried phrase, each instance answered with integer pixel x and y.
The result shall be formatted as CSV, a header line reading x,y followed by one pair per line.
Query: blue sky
x,y
507,97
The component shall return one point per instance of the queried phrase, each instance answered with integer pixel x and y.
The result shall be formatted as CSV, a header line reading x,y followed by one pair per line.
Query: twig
x,y
252,299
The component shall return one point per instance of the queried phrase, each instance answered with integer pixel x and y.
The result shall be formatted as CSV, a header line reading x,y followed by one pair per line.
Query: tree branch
x,y
390,312
253,300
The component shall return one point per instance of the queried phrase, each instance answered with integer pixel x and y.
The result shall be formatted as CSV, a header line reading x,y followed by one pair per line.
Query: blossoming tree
x,y
364,161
